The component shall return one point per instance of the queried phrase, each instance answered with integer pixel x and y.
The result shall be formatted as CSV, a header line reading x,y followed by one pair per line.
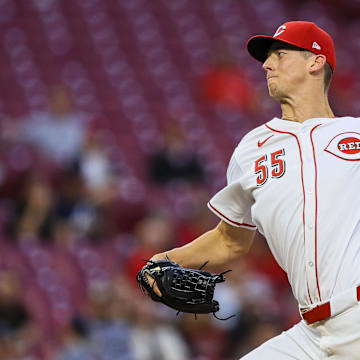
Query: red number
x,y
277,164
262,170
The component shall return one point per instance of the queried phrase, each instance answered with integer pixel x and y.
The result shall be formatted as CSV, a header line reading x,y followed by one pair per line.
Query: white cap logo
x,y
280,30
315,45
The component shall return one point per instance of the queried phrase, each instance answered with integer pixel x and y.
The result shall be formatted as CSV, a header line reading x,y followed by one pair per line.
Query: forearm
x,y
218,246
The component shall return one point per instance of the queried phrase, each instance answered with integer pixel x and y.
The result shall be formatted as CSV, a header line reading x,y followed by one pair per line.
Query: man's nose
x,y
268,65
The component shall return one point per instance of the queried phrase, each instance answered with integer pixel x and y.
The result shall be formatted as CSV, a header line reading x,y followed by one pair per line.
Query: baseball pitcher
x,y
297,180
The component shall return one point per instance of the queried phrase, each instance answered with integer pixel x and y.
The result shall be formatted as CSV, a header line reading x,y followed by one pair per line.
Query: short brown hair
x,y
328,72
327,77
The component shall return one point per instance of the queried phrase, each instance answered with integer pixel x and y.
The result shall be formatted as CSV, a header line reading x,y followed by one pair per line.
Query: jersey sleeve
x,y
232,204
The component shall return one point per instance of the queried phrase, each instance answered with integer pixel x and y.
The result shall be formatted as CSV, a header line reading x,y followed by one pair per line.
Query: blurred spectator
x,y
18,335
105,333
117,200
53,211
198,217
155,339
77,345
175,161
34,210
152,234
56,133
258,331
95,169
13,314
109,329
206,340
255,304
226,84
75,211
343,94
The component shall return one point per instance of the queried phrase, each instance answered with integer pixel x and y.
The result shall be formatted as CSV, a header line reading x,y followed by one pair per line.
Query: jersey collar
x,y
288,125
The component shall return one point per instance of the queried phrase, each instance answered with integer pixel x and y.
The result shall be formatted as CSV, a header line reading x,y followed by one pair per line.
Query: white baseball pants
x,y
337,338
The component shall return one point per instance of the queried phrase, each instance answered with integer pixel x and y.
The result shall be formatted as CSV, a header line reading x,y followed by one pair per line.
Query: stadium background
x,y
118,119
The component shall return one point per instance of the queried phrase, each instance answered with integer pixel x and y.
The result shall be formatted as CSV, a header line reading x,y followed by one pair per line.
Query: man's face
x,y
286,71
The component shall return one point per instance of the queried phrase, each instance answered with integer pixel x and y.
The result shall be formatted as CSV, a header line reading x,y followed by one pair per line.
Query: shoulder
x,y
344,123
350,119
346,118
357,118
245,150
253,134
250,142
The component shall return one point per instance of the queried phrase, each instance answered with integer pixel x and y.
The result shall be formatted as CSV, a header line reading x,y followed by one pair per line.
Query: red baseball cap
x,y
303,34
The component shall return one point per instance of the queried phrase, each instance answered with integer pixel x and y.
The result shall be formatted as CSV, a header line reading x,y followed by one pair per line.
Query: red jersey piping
x,y
232,221
302,181
316,208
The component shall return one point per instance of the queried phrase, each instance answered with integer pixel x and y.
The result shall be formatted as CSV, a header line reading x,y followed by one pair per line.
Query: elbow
x,y
238,250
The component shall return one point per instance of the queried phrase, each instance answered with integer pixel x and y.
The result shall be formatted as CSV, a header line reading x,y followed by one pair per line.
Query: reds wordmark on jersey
x,y
298,183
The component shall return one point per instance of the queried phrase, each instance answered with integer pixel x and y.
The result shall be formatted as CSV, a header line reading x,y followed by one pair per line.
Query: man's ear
x,y
317,63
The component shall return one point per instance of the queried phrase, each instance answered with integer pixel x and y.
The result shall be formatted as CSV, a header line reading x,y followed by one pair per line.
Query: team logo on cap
x,y
280,30
345,146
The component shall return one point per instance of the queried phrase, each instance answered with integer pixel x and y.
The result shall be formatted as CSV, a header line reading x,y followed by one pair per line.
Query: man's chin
x,y
275,93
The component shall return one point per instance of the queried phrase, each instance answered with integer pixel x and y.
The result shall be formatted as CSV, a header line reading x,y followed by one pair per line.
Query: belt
x,y
334,306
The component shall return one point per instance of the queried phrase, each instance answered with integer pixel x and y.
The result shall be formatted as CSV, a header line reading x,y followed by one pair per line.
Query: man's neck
x,y
307,107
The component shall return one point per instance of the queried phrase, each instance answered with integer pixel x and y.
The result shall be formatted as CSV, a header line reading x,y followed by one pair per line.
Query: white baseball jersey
x,y
299,185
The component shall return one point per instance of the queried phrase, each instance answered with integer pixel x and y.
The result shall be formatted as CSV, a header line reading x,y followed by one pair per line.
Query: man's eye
x,y
281,53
